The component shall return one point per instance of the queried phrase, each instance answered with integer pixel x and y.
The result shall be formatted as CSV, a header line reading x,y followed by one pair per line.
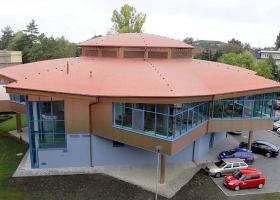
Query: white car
x,y
225,166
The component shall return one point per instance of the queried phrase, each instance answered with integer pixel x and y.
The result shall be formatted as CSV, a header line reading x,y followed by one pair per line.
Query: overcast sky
x,y
253,21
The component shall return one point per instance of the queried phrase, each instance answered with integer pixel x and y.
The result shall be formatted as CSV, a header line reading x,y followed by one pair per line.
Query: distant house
x,y
8,58
264,54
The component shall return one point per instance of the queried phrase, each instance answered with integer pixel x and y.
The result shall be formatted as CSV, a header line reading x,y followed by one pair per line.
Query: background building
x,y
8,58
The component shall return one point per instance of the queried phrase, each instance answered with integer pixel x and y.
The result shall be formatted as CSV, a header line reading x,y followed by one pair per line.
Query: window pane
x,y
200,114
258,108
195,116
149,125
58,110
150,107
178,121
228,108
52,141
118,113
59,127
162,125
184,122
127,118
47,126
46,111
171,127
248,108
161,108
138,119
190,119
218,109
238,108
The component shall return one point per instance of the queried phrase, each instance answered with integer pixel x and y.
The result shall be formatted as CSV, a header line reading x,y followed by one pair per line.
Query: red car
x,y
245,178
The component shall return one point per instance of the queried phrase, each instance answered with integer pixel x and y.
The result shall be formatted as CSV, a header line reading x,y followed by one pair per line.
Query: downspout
x,y
91,130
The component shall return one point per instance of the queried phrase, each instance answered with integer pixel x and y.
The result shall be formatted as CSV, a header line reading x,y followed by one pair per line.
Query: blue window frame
x,y
47,127
160,120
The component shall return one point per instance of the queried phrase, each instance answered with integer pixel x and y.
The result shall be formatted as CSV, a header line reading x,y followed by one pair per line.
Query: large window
x,y
47,124
257,106
161,120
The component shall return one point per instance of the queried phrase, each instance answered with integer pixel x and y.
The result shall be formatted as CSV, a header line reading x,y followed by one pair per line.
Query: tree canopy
x,y
248,61
36,46
7,35
128,20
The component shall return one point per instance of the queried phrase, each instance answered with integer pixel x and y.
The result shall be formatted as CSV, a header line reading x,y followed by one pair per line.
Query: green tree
x,y
275,70
277,42
7,35
188,40
128,20
233,46
264,69
245,60
32,32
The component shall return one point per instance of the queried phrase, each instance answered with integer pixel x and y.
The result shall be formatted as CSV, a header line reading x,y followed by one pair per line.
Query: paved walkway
x,y
23,134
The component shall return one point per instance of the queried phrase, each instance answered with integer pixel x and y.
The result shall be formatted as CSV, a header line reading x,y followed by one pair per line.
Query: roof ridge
x,y
161,76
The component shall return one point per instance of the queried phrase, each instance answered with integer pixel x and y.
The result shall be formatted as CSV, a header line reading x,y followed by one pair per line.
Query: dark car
x,y
241,153
262,147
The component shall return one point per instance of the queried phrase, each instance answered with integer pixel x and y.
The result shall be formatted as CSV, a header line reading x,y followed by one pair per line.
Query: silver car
x,y
225,166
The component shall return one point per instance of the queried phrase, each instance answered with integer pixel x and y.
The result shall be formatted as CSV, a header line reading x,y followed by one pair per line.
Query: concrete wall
x,y
75,155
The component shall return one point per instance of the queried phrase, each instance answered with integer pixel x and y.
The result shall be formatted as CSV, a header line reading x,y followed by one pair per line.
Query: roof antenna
x,y
67,67
90,73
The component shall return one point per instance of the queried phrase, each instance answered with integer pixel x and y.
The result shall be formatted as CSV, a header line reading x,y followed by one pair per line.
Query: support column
x,y
18,122
250,140
162,169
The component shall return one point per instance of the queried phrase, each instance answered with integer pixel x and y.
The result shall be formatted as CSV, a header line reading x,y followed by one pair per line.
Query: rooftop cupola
x,y
136,45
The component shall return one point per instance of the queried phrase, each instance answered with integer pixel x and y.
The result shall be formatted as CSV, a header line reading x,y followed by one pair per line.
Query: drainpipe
x,y
91,130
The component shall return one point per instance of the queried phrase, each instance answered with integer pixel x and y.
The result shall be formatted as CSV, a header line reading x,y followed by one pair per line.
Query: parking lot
x,y
270,167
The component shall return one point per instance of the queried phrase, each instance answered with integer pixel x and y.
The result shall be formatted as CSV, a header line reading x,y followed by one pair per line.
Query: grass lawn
x,y
10,124
8,164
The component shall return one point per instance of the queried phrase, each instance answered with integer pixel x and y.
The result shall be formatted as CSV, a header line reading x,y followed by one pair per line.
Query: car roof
x,y
266,143
249,171
232,160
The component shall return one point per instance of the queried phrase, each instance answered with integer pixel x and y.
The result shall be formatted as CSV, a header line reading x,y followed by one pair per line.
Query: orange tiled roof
x,y
135,40
135,77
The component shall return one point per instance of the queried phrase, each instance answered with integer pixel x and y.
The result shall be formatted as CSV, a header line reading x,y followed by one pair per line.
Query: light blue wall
x,y
182,156
77,153
202,143
103,153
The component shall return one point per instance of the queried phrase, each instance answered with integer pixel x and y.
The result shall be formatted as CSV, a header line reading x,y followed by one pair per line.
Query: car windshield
x,y
238,175
230,152
220,164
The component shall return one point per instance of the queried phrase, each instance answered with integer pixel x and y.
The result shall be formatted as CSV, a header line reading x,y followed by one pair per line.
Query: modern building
x,y
264,54
9,58
128,95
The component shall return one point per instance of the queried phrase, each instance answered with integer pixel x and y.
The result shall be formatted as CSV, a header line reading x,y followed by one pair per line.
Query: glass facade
x,y
47,124
17,98
171,121
166,121
258,106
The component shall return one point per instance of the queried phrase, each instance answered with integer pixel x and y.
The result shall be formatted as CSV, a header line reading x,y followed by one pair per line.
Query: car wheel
x,y
237,188
268,155
218,175
260,186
